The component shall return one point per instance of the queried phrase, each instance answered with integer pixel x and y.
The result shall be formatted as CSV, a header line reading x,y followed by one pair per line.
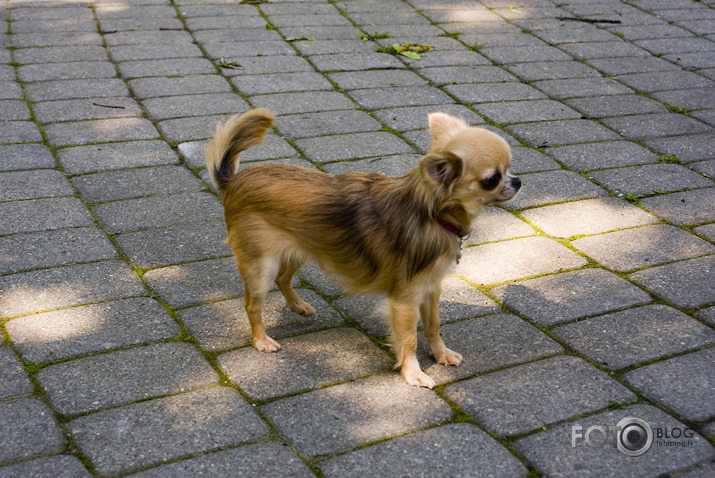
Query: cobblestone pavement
x,y
584,305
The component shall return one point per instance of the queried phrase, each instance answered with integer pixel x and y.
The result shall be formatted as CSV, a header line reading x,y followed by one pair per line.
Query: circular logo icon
x,y
634,437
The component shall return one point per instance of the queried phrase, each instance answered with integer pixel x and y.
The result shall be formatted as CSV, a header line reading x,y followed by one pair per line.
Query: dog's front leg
x,y
429,309
404,317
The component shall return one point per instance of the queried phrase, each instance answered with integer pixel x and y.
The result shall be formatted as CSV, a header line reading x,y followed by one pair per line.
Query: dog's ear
x,y
442,127
443,168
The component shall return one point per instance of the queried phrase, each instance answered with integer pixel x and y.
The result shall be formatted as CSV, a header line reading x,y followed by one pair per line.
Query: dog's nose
x,y
516,183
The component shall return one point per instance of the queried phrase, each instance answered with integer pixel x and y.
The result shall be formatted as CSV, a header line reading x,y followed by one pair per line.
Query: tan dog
x,y
375,234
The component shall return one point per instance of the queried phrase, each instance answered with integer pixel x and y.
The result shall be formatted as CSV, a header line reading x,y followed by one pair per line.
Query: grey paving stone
x,y
525,111
36,291
267,64
116,378
642,247
322,422
305,362
111,156
60,54
585,157
439,76
528,160
146,37
641,180
138,23
707,231
76,331
325,123
625,65
688,284
706,116
552,452
447,58
615,105
62,24
601,49
60,466
77,88
478,454
185,85
12,374
580,87
281,83
175,66
523,398
591,216
303,102
66,71
158,211
693,61
54,248
496,224
20,132
522,54
676,45
570,295
686,147
10,90
655,125
681,384
224,325
708,315
25,40
248,48
86,109
151,52
378,98
506,261
684,208
32,184
489,92
27,428
664,80
166,428
320,33
15,157
629,337
554,186
96,131
263,458
353,146
41,214
551,70
690,99
173,245
415,117
194,105
179,130
552,133
11,110
114,185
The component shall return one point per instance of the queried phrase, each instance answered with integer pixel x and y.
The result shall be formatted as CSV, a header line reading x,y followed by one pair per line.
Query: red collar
x,y
450,227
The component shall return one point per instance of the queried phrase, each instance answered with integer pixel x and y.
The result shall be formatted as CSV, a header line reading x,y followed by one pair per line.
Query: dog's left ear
x,y
443,168
442,127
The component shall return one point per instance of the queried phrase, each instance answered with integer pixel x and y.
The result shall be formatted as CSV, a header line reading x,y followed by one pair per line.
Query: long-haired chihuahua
x,y
376,234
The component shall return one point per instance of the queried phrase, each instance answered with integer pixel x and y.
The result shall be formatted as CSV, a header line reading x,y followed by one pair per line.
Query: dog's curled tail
x,y
239,133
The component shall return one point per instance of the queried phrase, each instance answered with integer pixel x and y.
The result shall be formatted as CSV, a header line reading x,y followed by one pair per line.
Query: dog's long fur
x,y
376,234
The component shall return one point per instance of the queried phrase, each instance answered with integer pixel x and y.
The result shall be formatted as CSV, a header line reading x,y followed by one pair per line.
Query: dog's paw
x,y
449,357
419,379
302,308
266,344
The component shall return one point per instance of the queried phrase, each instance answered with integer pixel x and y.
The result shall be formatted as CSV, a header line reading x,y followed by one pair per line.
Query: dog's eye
x,y
491,182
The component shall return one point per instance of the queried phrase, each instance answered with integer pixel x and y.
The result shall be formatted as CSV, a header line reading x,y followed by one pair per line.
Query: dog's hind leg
x,y
257,281
289,267
404,317
429,309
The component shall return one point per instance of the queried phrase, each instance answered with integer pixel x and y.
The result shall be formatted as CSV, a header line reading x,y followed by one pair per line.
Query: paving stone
x,y
520,54
351,414
415,117
570,295
66,71
79,88
353,146
490,92
88,329
655,125
440,76
27,428
629,337
60,54
684,208
552,452
523,398
25,156
116,378
377,98
528,160
102,157
708,315
20,132
165,37
553,186
686,147
303,102
496,224
248,48
273,147
682,384
173,245
642,247
676,45
281,83
664,80
158,211
263,458
478,454
707,231
175,66
33,184
601,49
10,90
585,157
86,109
524,111
615,105
314,124
224,325
268,64
690,99
41,214
579,87
305,362
185,85
641,180
151,52
625,65
506,261
166,428
26,40
54,248
552,133
14,110
179,130
104,130
551,70
59,466
12,374
194,105
445,58
687,284
591,216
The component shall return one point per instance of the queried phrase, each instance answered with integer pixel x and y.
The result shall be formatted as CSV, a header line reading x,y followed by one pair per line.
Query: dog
x,y
376,234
